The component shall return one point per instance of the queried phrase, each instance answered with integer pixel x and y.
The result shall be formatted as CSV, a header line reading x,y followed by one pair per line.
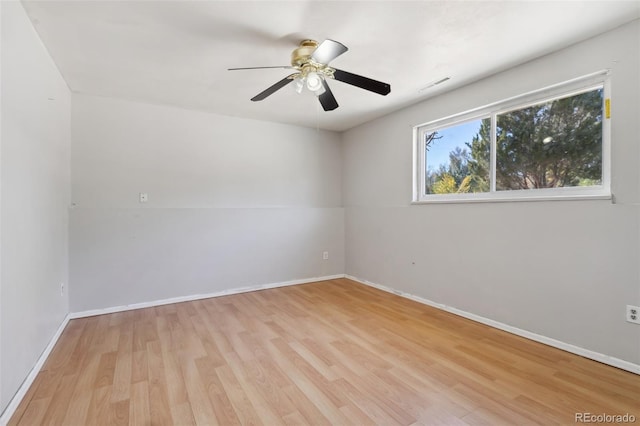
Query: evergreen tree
x,y
479,164
551,145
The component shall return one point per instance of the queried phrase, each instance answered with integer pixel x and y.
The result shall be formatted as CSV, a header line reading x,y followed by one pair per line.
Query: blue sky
x,y
452,137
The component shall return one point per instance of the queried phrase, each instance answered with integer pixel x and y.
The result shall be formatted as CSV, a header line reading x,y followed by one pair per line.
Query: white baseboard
x,y
17,398
179,299
596,356
28,381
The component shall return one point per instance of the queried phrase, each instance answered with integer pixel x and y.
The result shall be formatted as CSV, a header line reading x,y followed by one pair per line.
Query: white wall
x,y
35,194
561,269
232,203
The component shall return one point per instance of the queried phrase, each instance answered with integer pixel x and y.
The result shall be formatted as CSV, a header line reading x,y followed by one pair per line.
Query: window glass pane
x,y
551,145
457,158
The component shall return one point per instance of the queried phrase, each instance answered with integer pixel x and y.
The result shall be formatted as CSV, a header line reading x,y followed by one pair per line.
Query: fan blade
x,y
271,90
362,82
327,51
327,100
260,68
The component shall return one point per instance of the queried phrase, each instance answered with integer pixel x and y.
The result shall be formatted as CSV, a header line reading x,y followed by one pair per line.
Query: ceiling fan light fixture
x,y
314,81
320,91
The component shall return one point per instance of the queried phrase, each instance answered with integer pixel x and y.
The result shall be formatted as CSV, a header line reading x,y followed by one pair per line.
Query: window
x,y
458,158
549,144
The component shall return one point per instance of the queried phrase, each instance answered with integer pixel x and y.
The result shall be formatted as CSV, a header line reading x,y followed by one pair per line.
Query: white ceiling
x,y
178,52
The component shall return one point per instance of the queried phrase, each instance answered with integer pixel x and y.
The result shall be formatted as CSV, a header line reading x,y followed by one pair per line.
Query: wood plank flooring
x,y
334,352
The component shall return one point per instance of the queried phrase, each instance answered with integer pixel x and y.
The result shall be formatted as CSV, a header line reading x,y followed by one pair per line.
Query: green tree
x,y
479,163
458,164
453,177
555,144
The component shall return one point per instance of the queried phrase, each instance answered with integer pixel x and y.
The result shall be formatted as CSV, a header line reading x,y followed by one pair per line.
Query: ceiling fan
x,y
310,60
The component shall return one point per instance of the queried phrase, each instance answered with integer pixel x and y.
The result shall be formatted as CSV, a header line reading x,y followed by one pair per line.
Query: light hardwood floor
x,y
334,352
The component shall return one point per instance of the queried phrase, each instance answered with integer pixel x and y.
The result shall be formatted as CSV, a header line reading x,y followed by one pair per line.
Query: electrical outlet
x,y
325,255
144,197
633,314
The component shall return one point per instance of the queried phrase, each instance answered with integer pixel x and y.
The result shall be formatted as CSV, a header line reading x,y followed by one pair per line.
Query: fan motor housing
x,y
302,55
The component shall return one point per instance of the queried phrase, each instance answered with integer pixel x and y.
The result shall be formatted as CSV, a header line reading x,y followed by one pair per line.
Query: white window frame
x,y
569,88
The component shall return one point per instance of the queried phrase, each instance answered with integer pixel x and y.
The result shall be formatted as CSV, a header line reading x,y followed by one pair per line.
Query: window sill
x,y
494,198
